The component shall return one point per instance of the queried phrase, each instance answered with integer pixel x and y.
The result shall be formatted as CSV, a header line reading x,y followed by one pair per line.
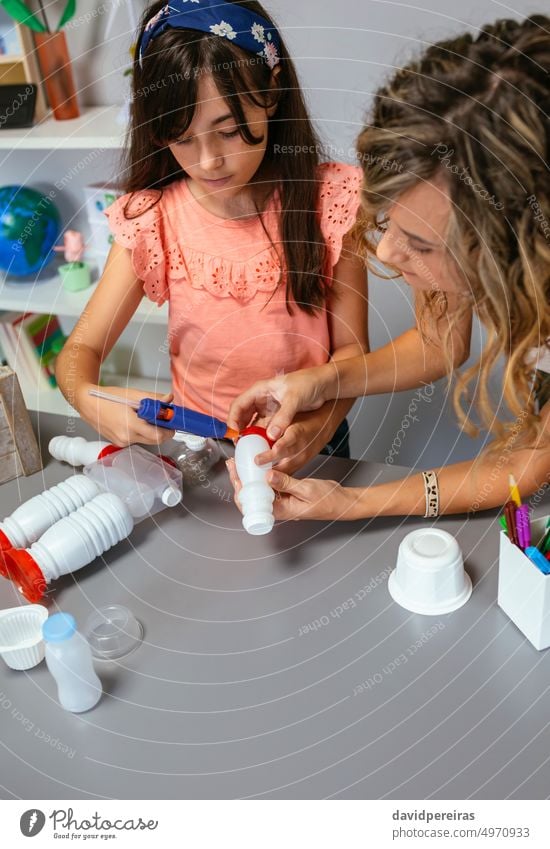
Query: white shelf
x,y
52,401
97,127
50,296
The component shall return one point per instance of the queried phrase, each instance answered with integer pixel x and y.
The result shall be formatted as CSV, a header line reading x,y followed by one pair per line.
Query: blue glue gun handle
x,y
197,423
155,412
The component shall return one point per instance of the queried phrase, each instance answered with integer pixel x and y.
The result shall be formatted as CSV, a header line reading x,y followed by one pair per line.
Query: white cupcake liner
x,y
21,642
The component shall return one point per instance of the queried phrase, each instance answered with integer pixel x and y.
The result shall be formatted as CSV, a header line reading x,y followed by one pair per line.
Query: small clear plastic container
x,y
143,481
113,632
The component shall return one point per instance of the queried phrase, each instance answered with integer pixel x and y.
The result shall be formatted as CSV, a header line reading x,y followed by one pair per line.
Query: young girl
x,y
230,217
457,201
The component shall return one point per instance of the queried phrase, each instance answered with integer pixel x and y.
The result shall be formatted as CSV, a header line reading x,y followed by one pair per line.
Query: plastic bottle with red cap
x,y
70,544
79,451
256,496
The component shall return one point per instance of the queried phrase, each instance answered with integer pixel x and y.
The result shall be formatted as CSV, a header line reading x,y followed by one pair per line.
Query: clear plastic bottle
x,y
195,457
69,659
142,480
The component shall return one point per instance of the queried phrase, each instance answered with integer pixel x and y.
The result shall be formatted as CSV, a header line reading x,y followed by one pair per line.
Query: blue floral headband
x,y
228,20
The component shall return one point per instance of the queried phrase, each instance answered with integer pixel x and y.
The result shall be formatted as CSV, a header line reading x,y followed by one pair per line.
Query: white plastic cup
x,y
21,641
256,496
429,577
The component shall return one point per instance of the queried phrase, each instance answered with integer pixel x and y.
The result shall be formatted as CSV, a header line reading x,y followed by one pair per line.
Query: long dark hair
x,y
164,99
475,110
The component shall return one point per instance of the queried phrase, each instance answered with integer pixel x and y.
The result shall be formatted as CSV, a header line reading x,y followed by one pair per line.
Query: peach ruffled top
x,y
228,322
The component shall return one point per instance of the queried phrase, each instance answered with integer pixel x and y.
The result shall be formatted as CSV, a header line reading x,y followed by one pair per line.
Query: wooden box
x,y
19,451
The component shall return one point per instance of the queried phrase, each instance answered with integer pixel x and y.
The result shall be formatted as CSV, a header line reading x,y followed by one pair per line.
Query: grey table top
x,y
280,667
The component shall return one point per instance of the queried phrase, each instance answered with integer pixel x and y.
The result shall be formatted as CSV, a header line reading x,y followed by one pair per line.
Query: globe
x,y
29,228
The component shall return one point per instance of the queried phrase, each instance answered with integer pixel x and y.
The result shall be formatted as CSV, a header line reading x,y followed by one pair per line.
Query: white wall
x,y
343,51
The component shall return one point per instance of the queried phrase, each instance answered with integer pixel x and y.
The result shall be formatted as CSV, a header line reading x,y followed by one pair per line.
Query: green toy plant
x,y
21,13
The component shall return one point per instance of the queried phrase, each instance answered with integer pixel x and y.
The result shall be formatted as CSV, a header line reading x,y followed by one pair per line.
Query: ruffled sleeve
x,y
339,199
136,222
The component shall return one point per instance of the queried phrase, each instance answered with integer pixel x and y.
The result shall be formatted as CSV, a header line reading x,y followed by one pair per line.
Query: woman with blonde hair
x,y
456,200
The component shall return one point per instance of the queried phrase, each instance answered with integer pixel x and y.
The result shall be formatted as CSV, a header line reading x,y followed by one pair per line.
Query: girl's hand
x,y
120,424
303,499
299,391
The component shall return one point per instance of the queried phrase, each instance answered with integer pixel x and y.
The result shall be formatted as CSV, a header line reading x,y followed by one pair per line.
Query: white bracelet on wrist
x,y
431,488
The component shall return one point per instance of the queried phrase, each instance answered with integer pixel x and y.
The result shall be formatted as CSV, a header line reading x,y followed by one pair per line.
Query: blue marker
x,y
538,559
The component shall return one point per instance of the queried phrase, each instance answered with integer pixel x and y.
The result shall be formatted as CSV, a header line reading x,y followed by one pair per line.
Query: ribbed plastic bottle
x,y
256,496
78,451
70,544
31,519
69,659
195,457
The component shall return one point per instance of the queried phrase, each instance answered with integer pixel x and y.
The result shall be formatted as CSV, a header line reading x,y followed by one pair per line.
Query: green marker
x,y
545,544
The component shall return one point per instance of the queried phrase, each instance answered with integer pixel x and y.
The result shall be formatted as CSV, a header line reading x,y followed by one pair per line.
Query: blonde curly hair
x,y
483,104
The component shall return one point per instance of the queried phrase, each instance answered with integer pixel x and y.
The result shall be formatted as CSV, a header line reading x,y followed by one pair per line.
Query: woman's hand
x,y
299,391
116,422
304,499
304,439
301,441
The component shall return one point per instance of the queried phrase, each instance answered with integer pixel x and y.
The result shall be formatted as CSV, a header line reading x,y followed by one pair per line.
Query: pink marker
x,y
523,526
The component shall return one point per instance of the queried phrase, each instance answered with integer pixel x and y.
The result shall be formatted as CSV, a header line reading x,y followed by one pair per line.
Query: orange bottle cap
x,y
25,573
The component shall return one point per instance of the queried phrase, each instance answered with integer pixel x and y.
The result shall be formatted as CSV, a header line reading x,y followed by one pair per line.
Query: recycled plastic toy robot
x,y
67,526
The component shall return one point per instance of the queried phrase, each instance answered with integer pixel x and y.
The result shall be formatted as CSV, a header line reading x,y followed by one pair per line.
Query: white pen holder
x,y
523,590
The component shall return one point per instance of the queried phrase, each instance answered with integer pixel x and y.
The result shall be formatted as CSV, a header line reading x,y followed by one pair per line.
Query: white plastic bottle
x,y
69,545
256,496
76,450
82,536
196,457
31,519
69,659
